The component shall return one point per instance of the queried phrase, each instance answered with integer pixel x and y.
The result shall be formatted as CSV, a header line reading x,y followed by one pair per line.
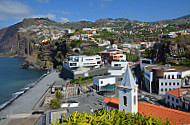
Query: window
x,y
177,83
172,98
161,83
168,97
165,83
134,100
170,84
97,58
88,59
174,83
125,100
98,62
101,82
161,90
168,76
179,76
73,64
172,76
164,76
165,89
117,65
170,89
177,100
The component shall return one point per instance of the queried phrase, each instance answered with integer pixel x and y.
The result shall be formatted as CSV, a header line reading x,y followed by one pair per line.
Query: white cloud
x,y
13,10
43,1
63,19
49,15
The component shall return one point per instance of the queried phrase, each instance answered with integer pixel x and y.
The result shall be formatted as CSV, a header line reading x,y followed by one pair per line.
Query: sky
x,y
14,11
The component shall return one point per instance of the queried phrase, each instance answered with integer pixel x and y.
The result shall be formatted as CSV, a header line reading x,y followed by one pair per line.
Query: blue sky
x,y
13,11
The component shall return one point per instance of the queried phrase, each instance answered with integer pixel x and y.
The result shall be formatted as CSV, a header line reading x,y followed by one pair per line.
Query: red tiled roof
x,y
177,92
112,100
174,116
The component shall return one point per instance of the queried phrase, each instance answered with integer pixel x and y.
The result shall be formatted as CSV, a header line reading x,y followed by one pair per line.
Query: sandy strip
x,y
27,101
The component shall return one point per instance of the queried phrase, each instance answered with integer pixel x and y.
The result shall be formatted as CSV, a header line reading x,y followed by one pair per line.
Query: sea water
x,y
15,81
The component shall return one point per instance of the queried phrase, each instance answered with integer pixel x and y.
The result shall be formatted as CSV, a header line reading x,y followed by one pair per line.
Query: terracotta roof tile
x,y
112,100
174,116
177,92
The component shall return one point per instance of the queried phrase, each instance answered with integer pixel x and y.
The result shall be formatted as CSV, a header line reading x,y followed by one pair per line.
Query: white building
x,y
118,68
160,79
119,64
144,62
128,96
84,62
101,81
178,98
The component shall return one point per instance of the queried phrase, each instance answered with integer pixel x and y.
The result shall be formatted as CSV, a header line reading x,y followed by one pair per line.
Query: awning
x,y
108,87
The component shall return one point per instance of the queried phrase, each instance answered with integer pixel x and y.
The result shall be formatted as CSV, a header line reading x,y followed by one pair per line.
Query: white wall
x,y
129,93
120,64
168,86
86,61
149,76
116,72
104,81
185,73
142,65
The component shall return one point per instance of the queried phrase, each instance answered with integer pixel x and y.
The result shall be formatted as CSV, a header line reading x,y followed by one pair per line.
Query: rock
x,y
29,65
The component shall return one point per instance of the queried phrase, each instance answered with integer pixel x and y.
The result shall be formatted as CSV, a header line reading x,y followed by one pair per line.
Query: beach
x,y
26,102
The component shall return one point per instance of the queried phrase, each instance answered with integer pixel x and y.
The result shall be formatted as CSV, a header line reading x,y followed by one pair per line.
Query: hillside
x,y
22,38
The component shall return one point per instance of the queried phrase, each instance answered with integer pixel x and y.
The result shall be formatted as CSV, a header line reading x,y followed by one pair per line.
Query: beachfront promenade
x,y
26,102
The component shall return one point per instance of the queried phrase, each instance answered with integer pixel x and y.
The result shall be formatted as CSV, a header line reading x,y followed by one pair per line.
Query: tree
x,y
58,95
55,104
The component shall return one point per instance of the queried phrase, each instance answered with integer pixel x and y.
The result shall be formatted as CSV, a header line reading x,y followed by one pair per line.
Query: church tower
x,y
128,95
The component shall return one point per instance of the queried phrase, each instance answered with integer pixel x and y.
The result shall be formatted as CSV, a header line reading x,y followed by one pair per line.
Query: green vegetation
x,y
93,51
55,103
81,80
110,117
105,34
147,53
132,57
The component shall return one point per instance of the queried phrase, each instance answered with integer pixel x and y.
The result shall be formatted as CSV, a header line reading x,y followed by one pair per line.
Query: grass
x,y
81,80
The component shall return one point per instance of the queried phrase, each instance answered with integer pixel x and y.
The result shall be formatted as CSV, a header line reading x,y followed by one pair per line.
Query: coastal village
x,y
101,69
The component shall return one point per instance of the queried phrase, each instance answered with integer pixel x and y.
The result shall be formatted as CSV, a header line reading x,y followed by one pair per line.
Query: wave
x,y
22,91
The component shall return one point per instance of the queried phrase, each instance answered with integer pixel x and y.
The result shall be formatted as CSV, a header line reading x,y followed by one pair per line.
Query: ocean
x,y
15,81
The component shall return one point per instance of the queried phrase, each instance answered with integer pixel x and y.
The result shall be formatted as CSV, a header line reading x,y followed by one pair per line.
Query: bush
x,y
55,103
109,117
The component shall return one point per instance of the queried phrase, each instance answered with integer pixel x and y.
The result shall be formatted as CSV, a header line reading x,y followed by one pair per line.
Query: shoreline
x,y
27,100
21,92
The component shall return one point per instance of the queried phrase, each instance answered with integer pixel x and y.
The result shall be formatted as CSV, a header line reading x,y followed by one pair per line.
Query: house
x,y
108,54
126,50
144,62
160,79
119,57
101,82
76,62
178,98
128,101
